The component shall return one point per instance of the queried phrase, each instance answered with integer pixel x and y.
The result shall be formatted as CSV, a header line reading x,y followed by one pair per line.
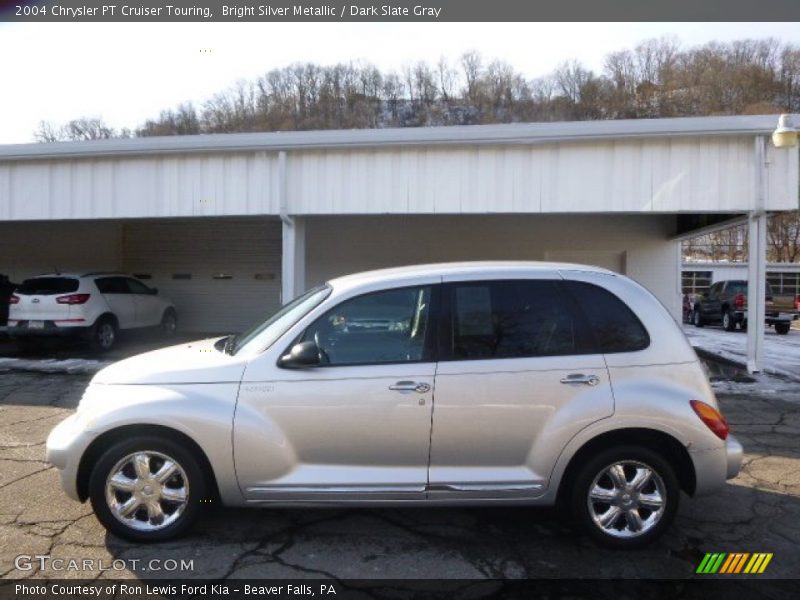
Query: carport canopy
x,y
624,192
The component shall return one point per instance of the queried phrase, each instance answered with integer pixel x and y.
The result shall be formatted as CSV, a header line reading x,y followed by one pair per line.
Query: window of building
x,y
695,282
784,283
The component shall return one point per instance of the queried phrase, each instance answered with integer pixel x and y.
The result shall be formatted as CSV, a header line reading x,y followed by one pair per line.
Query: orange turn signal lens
x,y
712,418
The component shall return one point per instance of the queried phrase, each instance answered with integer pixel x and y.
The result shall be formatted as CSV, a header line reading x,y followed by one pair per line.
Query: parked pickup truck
x,y
726,303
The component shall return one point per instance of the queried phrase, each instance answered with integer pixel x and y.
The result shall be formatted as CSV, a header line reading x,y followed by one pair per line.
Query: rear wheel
x,y
625,497
147,489
697,319
728,322
104,334
782,328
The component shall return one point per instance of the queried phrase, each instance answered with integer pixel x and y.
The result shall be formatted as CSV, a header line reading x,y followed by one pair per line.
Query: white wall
x,y
647,175
644,175
341,245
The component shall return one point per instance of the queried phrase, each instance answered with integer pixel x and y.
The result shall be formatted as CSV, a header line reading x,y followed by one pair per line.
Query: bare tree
x,y
83,128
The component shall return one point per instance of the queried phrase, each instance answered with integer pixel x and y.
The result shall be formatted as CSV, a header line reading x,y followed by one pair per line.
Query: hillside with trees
x,y
657,78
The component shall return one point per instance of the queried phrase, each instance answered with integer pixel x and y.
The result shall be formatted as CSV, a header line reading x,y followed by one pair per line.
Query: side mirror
x,y
154,291
302,355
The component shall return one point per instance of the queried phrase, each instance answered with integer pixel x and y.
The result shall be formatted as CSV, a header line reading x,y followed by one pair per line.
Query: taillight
x,y
739,300
712,418
797,303
15,299
73,299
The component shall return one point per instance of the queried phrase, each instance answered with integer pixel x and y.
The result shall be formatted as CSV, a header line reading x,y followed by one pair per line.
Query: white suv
x,y
93,305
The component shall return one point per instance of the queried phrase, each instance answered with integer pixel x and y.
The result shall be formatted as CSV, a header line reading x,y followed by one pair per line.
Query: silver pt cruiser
x,y
471,383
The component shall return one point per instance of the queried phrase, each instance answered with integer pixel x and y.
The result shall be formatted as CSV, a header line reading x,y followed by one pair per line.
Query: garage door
x,y
222,274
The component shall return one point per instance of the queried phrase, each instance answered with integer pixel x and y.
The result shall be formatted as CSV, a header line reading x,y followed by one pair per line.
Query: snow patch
x,y
781,352
52,365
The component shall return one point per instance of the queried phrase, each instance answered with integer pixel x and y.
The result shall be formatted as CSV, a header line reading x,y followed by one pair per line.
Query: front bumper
x,y
66,445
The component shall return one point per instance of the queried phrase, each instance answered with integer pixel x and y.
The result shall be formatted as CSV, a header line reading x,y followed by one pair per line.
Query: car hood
x,y
193,362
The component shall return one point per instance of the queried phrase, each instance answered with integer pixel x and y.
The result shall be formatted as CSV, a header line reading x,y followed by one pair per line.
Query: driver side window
x,y
379,328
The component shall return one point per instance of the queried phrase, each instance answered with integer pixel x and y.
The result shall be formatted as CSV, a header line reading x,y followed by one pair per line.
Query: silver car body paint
x,y
499,430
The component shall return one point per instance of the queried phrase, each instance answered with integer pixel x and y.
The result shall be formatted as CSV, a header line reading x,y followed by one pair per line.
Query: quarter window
x,y
383,327
615,327
511,319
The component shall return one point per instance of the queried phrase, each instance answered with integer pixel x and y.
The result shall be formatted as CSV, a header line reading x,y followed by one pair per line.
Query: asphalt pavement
x,y
757,512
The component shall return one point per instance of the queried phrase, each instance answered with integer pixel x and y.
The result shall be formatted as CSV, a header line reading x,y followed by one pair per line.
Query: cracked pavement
x,y
757,512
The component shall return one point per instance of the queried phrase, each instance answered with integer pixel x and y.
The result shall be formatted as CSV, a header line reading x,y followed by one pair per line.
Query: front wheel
x,y
625,497
169,323
697,319
147,489
782,328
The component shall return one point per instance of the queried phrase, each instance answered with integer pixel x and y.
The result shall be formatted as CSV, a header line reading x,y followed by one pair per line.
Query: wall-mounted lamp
x,y
785,136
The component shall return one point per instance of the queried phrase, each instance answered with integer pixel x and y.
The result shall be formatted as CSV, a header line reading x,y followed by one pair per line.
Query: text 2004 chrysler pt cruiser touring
x,y
526,383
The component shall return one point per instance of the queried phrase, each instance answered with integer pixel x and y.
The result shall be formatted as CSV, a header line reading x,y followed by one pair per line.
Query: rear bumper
x,y
50,329
714,467
734,454
771,317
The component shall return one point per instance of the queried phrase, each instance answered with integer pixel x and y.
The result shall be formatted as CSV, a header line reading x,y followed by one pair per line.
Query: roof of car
x,y
459,268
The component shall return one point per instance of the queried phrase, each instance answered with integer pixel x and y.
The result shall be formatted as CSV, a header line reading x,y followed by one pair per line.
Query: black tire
x,y
104,334
782,328
697,318
728,322
633,457
195,482
169,323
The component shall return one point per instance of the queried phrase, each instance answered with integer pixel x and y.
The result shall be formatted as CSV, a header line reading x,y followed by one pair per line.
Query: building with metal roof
x,y
229,225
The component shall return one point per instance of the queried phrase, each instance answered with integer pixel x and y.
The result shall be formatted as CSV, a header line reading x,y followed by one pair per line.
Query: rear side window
x,y
613,324
47,286
112,285
137,287
737,287
511,319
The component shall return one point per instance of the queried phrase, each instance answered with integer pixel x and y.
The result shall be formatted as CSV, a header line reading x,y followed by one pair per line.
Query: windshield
x,y
264,334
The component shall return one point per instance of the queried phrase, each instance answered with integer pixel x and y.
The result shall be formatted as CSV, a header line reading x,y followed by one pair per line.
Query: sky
x,y
125,73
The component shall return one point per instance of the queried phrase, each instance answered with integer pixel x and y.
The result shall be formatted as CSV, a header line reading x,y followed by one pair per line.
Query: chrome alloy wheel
x,y
627,499
147,491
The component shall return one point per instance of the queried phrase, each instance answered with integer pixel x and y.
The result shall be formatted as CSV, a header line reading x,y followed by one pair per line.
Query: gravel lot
x,y
757,512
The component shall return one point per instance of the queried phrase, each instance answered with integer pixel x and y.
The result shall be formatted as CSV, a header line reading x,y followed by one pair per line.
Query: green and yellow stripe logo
x,y
734,563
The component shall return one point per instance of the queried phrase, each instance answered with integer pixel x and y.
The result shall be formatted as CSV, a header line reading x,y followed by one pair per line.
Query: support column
x,y
293,251
757,265
293,261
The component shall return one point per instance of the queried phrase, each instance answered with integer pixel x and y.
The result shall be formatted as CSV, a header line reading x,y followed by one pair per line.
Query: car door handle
x,y
410,386
581,378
